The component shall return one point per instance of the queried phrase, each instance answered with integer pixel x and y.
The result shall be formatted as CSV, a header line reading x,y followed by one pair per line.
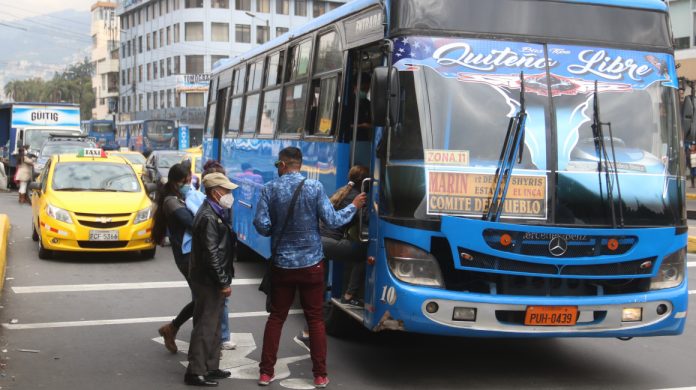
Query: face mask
x,y
226,201
184,189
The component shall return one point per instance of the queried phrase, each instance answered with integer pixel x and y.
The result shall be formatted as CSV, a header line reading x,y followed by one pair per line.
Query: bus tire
x,y
148,254
339,323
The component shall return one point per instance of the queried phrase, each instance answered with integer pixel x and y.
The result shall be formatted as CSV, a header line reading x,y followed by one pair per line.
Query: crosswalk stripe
x,y
115,286
123,321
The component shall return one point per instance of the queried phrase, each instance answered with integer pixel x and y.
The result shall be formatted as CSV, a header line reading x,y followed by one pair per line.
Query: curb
x,y
4,234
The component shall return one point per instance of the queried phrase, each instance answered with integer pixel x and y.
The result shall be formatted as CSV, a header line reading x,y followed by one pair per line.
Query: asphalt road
x,y
90,322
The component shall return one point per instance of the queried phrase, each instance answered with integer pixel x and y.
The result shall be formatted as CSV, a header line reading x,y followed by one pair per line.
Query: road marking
x,y
123,321
115,286
692,292
691,264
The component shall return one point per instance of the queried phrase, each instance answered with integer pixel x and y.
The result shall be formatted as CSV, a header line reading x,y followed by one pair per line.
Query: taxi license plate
x,y
103,235
551,315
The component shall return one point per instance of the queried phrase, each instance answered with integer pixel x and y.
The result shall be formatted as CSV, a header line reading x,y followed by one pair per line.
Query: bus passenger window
x,y
293,115
321,113
275,69
269,112
235,115
251,113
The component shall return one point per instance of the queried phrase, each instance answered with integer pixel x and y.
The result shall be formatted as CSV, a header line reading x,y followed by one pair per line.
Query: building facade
x,y
104,56
168,48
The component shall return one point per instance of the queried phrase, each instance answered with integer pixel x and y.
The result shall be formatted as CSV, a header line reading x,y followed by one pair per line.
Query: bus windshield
x,y
458,96
160,131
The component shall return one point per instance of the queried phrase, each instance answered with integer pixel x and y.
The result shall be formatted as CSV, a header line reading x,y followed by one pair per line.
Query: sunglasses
x,y
277,163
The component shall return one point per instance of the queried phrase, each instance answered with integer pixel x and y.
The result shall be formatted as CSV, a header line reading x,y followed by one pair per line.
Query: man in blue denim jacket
x,y
297,264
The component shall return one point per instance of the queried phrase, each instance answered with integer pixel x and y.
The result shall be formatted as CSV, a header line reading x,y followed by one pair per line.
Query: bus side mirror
x,y
384,89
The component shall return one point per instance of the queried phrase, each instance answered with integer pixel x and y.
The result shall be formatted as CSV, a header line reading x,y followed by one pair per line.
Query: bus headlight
x,y
143,215
58,214
413,265
671,271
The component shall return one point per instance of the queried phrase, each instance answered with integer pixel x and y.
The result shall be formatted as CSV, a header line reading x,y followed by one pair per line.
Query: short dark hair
x,y
291,153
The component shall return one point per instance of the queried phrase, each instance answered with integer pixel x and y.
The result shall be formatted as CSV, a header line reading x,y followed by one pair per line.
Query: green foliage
x,y
73,85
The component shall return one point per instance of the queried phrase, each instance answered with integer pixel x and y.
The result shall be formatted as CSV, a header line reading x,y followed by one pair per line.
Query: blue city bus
x,y
103,131
147,135
525,157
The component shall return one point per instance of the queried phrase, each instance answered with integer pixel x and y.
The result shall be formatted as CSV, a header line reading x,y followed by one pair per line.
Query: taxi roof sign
x,y
91,152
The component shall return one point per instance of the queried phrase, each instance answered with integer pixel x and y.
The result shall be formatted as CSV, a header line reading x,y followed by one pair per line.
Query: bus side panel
x,y
249,163
210,149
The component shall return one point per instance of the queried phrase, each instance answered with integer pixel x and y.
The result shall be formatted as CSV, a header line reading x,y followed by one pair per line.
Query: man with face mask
x,y
210,273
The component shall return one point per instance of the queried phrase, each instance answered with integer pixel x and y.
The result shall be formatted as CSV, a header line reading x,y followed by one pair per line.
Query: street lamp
x,y
268,27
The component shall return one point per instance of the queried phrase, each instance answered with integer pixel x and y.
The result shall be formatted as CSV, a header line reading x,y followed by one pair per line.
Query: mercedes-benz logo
x,y
558,246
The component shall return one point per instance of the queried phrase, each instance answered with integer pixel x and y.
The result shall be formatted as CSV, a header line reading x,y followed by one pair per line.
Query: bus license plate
x,y
103,235
551,315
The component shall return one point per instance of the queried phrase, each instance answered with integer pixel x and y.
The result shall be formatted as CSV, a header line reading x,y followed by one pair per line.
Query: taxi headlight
x,y
58,214
413,265
671,271
142,215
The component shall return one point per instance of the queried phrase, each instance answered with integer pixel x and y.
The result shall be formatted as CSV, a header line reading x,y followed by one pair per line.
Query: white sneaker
x,y
228,345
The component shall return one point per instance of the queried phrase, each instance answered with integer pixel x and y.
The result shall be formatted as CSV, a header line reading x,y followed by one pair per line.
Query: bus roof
x,y
359,5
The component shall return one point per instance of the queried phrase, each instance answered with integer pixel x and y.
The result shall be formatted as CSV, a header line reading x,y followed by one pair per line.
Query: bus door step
x,y
357,312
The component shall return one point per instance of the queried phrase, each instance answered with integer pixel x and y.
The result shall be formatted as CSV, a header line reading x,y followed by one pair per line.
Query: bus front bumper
x,y
663,312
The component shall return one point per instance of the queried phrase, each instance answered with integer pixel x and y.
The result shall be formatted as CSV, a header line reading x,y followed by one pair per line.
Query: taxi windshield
x,y
134,158
100,177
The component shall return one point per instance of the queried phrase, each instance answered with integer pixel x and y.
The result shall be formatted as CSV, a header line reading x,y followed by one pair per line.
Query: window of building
x,y
283,7
301,7
155,11
161,7
262,34
154,70
147,39
169,35
194,4
242,33
162,70
161,37
154,39
263,6
177,33
193,31
194,64
169,98
143,14
140,44
242,5
219,4
161,98
149,71
281,30
194,99
176,5
681,43
140,73
220,32
177,65
169,66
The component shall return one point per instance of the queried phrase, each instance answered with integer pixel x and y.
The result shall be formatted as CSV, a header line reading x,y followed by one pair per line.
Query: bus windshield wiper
x,y
601,149
511,153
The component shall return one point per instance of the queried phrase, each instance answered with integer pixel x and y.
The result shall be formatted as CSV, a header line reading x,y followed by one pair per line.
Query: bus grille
x,y
626,268
532,244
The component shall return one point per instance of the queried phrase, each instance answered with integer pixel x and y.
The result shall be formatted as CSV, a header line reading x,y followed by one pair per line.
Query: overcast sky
x,y
28,8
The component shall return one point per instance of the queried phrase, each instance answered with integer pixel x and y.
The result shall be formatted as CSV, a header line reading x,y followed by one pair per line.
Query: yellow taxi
x,y
91,202
196,166
136,159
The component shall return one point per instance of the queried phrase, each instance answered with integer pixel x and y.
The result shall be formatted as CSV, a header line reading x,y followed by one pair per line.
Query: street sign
x,y
183,137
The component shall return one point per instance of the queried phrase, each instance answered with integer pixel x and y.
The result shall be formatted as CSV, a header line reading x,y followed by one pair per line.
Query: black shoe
x,y
199,380
218,374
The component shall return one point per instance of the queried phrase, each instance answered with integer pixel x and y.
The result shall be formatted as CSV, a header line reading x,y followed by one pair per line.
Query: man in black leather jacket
x,y
210,272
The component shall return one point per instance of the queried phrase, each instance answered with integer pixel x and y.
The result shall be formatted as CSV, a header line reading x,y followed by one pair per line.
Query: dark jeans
x,y
187,311
310,282
348,252
204,348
